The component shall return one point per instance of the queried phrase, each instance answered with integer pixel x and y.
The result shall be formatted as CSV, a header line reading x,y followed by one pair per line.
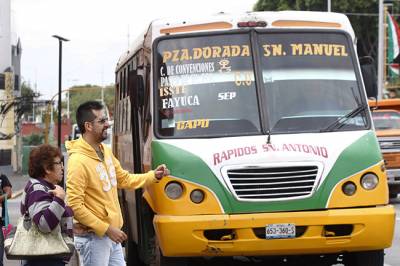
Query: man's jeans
x,y
99,251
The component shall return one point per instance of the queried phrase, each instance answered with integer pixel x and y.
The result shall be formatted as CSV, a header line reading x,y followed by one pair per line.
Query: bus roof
x,y
224,21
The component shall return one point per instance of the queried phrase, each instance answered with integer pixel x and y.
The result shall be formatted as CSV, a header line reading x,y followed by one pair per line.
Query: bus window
x,y
201,94
310,81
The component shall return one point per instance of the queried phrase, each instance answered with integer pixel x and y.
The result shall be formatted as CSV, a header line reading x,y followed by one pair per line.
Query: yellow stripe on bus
x,y
362,197
197,27
303,23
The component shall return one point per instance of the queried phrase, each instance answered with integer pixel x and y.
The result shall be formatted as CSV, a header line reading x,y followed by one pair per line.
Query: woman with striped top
x,y
44,199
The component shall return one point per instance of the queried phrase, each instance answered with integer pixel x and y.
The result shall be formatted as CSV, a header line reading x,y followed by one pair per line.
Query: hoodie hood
x,y
80,146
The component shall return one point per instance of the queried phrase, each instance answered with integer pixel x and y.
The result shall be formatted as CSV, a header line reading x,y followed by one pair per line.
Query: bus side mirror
x,y
369,76
136,88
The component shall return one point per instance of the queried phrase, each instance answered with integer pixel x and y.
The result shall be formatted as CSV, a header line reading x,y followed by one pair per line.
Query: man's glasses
x,y
58,162
101,120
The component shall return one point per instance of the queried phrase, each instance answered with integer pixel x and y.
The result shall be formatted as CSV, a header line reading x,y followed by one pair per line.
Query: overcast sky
x,y
98,32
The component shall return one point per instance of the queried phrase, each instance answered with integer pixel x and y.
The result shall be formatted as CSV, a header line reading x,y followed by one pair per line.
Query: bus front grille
x,y
273,183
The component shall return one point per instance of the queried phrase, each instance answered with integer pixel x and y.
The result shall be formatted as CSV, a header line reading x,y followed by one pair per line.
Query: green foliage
x,y
26,90
33,140
27,97
362,15
83,93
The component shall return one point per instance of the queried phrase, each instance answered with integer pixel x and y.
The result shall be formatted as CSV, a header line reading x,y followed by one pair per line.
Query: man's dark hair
x,y
85,113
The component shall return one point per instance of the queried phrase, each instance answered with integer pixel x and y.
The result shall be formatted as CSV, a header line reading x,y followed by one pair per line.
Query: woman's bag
x,y
27,242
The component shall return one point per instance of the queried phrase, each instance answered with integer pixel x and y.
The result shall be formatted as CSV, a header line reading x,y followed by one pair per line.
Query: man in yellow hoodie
x,y
93,176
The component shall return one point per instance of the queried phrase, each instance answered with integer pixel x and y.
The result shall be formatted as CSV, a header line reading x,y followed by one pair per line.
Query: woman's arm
x,y
7,192
6,187
45,209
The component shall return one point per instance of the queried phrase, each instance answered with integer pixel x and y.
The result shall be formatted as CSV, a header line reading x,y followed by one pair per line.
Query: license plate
x,y
280,231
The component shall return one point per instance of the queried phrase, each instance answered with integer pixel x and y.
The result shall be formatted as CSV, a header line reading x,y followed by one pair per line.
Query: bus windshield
x,y
206,87
309,82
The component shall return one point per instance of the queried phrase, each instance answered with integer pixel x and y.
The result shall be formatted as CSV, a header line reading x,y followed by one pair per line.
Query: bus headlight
x,y
369,181
349,188
197,196
174,190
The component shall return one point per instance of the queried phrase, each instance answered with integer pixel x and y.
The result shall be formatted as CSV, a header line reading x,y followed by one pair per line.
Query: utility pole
x,y
329,5
385,45
67,94
71,81
102,86
381,60
60,40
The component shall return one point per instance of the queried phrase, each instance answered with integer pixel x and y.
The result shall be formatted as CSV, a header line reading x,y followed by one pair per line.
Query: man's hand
x,y
8,191
80,229
2,197
58,192
161,171
116,234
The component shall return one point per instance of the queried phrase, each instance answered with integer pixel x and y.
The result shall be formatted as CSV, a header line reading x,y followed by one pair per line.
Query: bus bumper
x,y
321,232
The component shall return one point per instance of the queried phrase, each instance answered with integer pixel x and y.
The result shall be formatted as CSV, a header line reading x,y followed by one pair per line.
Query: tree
x,y
24,104
27,98
83,93
33,140
363,15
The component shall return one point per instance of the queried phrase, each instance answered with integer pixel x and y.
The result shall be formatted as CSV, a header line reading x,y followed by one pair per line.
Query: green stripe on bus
x,y
186,165
360,155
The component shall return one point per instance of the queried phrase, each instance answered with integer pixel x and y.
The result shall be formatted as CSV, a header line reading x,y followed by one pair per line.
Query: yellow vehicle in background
x,y
387,126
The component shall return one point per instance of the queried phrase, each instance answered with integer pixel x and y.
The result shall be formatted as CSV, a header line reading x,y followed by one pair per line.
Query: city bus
x,y
262,119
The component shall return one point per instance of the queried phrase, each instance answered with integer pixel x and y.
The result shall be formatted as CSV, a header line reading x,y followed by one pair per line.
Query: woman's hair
x,y
41,159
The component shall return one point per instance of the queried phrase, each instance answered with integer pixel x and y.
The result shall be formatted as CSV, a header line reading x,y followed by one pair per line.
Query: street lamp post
x,y
381,41
60,40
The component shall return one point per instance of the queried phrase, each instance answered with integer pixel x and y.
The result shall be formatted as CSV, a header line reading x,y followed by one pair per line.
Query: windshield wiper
x,y
268,137
341,120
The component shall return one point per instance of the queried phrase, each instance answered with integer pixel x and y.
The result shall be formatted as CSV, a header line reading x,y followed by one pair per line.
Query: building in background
x,y
10,83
